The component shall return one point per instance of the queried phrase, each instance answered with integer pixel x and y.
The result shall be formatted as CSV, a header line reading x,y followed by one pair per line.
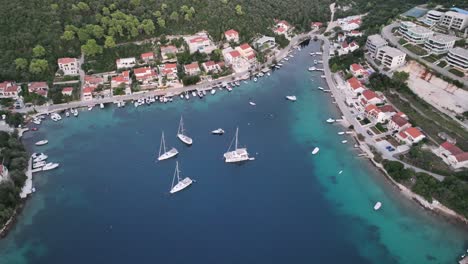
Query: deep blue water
x,y
109,201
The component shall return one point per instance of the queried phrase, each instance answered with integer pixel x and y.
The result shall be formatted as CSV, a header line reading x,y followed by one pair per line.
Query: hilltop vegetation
x,y
40,31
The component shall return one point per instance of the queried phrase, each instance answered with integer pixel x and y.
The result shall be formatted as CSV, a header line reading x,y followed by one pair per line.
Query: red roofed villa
x,y
232,35
452,155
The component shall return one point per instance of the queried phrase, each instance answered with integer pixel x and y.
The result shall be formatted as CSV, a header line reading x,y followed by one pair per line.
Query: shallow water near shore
x,y
109,201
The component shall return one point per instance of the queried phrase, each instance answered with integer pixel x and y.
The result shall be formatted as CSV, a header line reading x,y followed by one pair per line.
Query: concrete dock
x,y
28,185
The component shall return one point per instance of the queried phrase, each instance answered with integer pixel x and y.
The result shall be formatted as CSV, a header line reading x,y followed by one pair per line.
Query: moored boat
x,y
181,133
315,151
238,154
291,98
42,142
50,166
163,153
377,206
181,184
218,131
331,120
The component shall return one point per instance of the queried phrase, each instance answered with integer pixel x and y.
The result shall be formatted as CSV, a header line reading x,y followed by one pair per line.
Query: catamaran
x,y
181,184
180,133
163,154
238,154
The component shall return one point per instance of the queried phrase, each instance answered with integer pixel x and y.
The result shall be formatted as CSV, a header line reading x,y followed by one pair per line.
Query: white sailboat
x,y
181,184
238,154
181,135
163,154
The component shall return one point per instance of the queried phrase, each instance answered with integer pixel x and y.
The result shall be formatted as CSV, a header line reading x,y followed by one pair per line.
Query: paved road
x,y
388,35
340,100
82,74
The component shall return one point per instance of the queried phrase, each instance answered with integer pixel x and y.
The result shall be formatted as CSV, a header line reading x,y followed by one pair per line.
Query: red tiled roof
x,y
245,46
251,56
119,79
454,150
198,39
220,64
141,70
88,89
280,29
369,94
356,67
67,89
355,32
317,24
66,60
462,157
400,121
403,134
147,55
231,32
353,44
209,63
192,66
344,45
234,53
356,20
40,92
372,108
36,85
13,88
283,22
170,66
387,109
354,83
413,132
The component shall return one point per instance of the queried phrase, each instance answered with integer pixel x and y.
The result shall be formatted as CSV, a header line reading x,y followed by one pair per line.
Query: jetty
x,y
28,185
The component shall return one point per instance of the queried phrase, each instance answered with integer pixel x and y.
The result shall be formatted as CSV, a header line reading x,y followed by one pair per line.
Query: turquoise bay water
x,y
109,201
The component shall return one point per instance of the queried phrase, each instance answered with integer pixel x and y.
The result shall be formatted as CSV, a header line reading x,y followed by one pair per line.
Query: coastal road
x,y
388,35
340,100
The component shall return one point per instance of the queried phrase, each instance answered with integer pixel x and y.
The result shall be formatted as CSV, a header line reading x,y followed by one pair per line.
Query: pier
x,y
28,186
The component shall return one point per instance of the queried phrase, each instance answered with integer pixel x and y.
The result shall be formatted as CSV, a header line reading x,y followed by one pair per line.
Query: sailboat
x,y
238,154
163,154
181,184
180,133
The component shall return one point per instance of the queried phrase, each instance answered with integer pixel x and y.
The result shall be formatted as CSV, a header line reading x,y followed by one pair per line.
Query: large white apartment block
x,y
375,42
433,17
69,66
390,57
440,43
454,20
414,33
200,42
458,58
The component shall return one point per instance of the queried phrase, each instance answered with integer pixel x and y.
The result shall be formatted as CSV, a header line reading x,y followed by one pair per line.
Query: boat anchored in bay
x,y
181,184
181,133
163,154
238,154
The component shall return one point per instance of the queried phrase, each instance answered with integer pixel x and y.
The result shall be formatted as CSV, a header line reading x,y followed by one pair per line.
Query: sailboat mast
x,y
178,172
237,132
163,142
175,173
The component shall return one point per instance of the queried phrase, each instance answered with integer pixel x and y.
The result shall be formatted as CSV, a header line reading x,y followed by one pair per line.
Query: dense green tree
x,y
239,10
21,64
161,22
174,16
91,48
110,42
38,51
38,66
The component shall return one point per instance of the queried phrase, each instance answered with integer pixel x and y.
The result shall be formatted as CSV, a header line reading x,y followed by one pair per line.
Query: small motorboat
x,y
213,91
181,96
312,69
75,113
252,103
344,141
320,88
101,106
194,94
341,133
323,76
39,164
286,59
255,79
340,172
50,166
218,131
42,142
187,96
90,108
268,73
377,206
67,114
315,151
291,98
331,120
228,88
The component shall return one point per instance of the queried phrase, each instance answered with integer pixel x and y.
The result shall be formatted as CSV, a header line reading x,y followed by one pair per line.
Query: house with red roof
x,y
192,69
168,53
121,79
316,25
125,63
452,155
145,75
88,93
369,97
411,135
41,88
398,123
349,23
357,70
346,48
69,66
9,90
373,113
147,56
200,42
211,66
247,52
67,91
91,80
355,85
168,70
282,27
231,35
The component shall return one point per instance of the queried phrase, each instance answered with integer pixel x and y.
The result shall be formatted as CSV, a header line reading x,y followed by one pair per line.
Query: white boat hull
x,y
41,143
315,151
237,155
185,139
181,185
169,154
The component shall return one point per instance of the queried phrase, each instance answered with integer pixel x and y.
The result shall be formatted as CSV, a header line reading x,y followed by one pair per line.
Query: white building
x,y
414,33
390,57
232,35
433,17
125,63
235,59
264,43
458,57
440,43
200,42
69,66
349,23
452,155
410,135
375,42
192,69
454,20
9,90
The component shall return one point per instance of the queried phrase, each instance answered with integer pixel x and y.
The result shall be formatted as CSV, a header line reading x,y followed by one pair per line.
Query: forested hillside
x,y
36,32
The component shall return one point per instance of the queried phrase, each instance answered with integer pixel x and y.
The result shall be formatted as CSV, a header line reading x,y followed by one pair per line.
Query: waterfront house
x,y
88,93
168,70
346,48
211,66
147,57
4,175
398,123
91,80
349,23
200,42
9,90
282,27
411,135
69,66
452,155
375,42
168,53
370,97
247,52
121,79
41,88
232,35
234,59
192,69
125,63
264,43
373,113
145,75
355,85
67,91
